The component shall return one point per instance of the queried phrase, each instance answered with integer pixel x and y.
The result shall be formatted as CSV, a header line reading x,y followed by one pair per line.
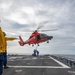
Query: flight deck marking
x,y
62,65
38,67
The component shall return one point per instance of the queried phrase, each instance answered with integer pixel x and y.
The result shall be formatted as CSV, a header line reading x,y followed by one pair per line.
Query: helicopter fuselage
x,y
35,38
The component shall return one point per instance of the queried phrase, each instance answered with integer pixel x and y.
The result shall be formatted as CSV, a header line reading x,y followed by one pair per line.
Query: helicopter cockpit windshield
x,y
44,35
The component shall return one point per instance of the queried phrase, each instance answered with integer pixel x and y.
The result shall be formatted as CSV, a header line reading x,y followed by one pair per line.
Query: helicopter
x,y
36,38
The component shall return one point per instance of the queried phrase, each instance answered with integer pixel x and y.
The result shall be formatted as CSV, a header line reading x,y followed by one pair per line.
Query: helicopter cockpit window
x,y
44,35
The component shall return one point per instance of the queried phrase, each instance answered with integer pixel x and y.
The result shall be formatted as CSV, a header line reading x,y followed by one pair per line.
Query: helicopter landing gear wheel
x,y
38,44
32,45
47,41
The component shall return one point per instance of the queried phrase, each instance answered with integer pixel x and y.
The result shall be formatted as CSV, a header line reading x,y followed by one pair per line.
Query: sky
x,y
18,17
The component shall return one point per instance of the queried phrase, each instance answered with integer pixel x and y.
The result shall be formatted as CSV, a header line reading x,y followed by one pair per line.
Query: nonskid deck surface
x,y
41,65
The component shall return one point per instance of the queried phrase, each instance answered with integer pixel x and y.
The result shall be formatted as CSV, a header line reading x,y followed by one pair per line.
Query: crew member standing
x,y
37,53
2,50
5,46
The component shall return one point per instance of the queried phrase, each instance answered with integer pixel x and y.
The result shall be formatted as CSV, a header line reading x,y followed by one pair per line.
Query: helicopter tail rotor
x,y
21,42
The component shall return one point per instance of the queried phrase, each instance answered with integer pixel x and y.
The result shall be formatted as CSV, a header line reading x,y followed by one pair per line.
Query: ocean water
x,y
70,57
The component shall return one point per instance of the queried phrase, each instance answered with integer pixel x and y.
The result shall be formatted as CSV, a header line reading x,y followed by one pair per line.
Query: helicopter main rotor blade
x,y
41,25
48,30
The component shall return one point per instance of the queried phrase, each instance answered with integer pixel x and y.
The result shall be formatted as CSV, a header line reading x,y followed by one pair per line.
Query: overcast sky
x,y
19,16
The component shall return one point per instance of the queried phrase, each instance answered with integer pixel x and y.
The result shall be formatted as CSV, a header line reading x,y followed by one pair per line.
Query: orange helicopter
x,y
36,38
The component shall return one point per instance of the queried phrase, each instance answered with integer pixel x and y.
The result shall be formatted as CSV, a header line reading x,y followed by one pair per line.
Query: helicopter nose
x,y
50,37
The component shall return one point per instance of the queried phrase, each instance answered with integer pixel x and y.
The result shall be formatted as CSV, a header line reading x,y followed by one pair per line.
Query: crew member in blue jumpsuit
x,y
36,52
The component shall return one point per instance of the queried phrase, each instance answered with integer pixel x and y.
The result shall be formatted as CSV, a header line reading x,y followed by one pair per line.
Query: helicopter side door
x,y
38,37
